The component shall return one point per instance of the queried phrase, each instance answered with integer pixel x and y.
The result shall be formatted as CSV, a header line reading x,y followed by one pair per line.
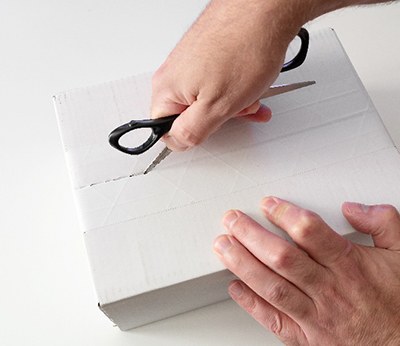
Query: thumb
x,y
382,222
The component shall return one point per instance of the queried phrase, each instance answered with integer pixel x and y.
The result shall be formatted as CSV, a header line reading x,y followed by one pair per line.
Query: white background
x,y
46,292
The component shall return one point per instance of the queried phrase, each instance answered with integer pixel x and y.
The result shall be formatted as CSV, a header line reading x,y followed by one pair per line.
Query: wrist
x,y
291,15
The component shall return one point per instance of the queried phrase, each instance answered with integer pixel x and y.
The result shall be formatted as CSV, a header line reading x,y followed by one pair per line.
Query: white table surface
x,y
46,292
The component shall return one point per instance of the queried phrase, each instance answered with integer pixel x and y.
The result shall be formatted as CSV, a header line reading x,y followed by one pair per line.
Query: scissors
x,y
162,125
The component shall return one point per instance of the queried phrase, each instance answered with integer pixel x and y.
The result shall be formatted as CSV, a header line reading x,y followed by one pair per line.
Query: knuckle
x,y
391,213
276,325
306,224
278,294
251,305
282,259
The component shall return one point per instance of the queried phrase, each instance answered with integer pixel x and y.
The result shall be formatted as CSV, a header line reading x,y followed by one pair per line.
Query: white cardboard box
x,y
149,237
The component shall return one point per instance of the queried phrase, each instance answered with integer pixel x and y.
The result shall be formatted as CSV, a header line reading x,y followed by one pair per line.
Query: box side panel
x,y
169,301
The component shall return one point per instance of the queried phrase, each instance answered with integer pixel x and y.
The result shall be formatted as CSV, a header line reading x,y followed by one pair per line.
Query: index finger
x,y
194,125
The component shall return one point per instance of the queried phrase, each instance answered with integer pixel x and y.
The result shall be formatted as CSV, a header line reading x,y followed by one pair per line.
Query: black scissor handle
x,y
159,128
301,55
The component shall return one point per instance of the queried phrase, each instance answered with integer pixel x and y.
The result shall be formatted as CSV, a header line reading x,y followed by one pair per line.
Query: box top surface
x,y
325,144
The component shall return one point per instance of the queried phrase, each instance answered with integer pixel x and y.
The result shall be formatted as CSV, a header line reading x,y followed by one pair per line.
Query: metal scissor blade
x,y
161,156
284,88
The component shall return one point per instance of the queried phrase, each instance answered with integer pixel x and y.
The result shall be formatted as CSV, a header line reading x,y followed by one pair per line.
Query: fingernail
x,y
357,208
229,219
269,204
174,144
222,244
236,289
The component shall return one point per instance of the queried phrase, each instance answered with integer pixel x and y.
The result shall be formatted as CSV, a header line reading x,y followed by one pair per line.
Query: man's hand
x,y
221,67
325,291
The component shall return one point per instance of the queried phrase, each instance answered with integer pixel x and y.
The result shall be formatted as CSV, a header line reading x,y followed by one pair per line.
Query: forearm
x,y
284,17
321,7
305,10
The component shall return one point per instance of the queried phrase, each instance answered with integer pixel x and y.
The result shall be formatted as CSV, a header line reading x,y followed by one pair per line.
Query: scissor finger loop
x,y
159,127
302,53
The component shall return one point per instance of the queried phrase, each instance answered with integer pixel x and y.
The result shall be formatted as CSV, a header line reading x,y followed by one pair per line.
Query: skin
x,y
221,66
325,290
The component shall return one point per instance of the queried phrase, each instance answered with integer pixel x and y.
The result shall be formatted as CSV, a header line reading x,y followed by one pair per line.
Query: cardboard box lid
x,y
325,144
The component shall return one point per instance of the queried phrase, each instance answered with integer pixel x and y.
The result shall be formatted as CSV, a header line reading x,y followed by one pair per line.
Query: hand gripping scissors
x,y
161,126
